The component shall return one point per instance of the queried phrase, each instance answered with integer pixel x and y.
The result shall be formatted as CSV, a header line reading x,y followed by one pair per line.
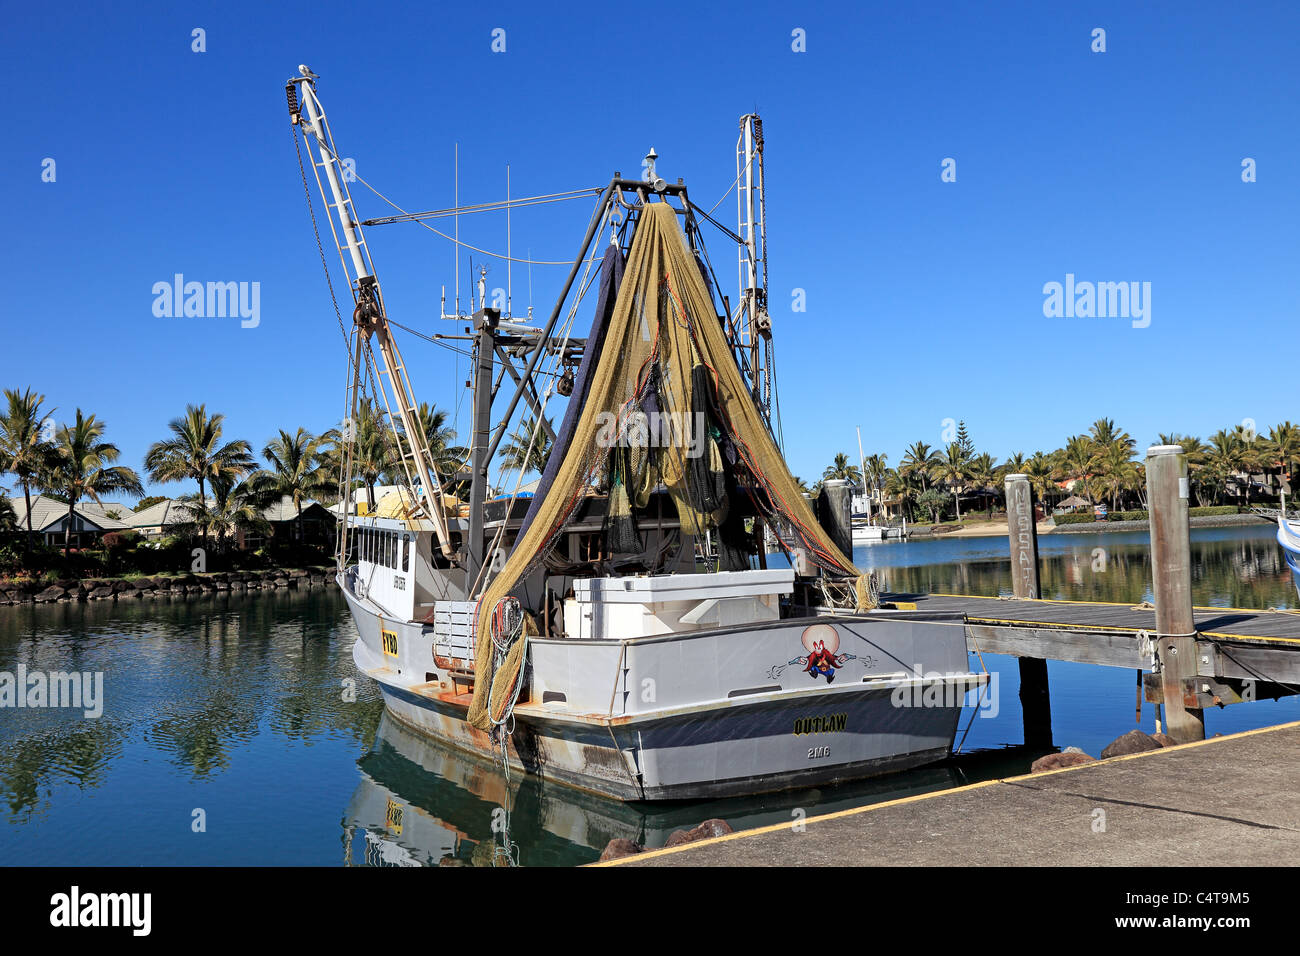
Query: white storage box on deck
x,y
615,608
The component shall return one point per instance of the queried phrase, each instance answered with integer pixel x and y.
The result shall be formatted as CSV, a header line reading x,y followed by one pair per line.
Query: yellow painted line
x,y
1267,639
916,798
985,597
1115,629
1127,604
1021,622
1262,615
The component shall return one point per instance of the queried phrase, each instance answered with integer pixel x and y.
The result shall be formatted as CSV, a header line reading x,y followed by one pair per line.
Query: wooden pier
x,y
1234,643
1195,658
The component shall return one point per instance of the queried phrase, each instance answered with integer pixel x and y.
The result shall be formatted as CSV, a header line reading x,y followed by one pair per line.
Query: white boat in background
x,y
864,528
865,532
580,634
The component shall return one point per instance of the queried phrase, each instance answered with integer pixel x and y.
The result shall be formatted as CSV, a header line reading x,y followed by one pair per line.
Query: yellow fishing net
x,y
663,324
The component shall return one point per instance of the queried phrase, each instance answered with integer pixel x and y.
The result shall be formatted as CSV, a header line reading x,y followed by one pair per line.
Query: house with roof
x,y
159,520
317,525
90,520
156,520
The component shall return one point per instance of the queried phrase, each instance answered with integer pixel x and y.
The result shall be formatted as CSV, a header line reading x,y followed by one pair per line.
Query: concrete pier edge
x,y
937,794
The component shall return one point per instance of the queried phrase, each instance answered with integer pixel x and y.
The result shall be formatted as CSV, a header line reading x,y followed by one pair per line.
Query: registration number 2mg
x,y
816,752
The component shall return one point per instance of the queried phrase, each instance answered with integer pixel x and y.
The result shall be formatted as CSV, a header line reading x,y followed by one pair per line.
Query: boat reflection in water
x,y
421,803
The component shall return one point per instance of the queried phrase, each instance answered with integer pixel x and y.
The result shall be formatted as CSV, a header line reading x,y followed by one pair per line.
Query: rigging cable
x,y
495,255
329,282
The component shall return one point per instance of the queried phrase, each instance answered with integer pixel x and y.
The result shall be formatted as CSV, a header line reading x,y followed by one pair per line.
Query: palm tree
x,y
1116,472
231,508
1258,454
295,472
373,451
1226,456
82,467
897,485
8,518
1195,449
448,457
843,469
1286,441
1077,461
1014,465
22,451
953,468
1039,469
1104,433
195,451
1197,458
982,472
528,447
917,462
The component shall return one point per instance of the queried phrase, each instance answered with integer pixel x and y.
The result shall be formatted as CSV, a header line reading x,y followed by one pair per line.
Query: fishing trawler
x,y
583,633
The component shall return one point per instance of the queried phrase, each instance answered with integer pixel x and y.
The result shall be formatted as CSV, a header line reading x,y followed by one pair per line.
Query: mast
x,y
369,315
752,319
862,463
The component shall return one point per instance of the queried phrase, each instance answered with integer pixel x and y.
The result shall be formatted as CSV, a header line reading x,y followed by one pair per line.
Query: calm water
x,y
231,712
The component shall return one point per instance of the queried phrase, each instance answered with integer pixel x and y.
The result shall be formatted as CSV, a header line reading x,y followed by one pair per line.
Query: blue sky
x,y
924,298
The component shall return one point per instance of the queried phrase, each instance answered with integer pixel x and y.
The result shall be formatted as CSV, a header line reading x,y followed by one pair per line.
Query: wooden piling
x,y
1022,532
834,511
1171,573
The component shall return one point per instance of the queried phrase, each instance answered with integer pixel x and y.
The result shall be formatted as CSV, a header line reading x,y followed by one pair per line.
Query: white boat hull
x,y
699,714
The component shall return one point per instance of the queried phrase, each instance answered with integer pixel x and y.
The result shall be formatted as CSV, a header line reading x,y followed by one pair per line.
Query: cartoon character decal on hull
x,y
821,641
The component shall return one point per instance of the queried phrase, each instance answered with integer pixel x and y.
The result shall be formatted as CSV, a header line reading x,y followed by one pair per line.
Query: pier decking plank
x,y
1210,621
1234,642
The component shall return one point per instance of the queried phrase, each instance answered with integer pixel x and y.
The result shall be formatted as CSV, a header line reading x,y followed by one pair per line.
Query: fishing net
x,y
664,355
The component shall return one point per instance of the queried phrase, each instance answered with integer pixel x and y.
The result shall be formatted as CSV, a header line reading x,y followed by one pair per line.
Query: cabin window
x,y
407,543
390,555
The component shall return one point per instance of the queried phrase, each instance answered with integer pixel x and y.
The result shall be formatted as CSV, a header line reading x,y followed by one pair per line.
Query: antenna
x,y
456,203
509,263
